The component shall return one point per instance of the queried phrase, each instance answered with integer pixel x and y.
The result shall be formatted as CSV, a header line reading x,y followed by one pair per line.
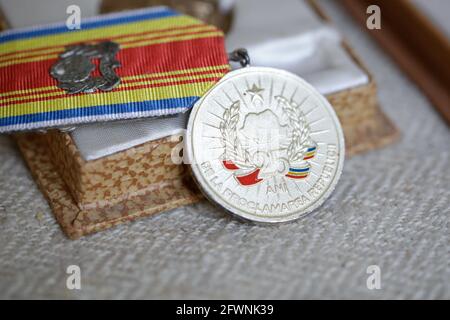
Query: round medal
x,y
265,145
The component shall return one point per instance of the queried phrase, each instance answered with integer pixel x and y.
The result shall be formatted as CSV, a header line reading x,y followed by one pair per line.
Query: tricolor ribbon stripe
x,y
128,83
205,32
195,72
124,39
116,20
310,153
168,61
119,111
171,88
167,94
135,61
302,172
298,173
106,27
251,178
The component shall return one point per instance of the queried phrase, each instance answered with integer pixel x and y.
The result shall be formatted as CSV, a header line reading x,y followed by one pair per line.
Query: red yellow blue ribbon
x,y
168,60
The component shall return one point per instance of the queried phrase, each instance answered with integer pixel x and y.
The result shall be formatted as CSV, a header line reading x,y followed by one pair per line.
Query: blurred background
x,y
390,209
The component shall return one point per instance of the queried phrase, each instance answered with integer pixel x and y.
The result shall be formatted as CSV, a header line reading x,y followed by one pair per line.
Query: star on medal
x,y
255,92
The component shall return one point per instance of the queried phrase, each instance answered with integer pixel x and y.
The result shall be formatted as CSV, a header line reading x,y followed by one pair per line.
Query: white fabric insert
x,y
289,35
98,140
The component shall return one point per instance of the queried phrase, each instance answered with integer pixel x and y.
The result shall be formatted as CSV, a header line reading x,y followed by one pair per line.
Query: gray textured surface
x,y
391,208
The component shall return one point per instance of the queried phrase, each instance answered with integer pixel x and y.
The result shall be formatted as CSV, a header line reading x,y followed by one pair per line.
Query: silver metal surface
x,y
265,145
73,69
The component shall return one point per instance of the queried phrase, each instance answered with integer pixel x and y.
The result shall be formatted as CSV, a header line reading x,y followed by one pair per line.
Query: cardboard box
x,y
89,196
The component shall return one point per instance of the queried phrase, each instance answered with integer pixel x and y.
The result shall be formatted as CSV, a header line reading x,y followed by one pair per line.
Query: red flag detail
x,y
249,179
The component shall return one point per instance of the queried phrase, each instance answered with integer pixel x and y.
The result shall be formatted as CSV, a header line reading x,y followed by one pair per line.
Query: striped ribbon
x,y
168,61
302,172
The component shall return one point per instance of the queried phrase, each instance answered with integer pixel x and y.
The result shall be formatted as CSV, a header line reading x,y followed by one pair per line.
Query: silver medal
x,y
265,145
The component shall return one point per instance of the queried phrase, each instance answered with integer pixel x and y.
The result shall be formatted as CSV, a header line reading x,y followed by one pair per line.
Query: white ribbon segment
x,y
101,139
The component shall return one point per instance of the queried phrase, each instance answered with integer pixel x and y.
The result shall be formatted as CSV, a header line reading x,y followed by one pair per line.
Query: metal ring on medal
x,y
265,145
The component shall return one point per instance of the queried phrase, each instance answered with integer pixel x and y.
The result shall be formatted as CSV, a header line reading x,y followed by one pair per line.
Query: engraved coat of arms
x,y
74,68
269,139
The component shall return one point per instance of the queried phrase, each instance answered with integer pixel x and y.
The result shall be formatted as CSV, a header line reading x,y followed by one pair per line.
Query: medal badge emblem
x,y
73,69
150,62
265,145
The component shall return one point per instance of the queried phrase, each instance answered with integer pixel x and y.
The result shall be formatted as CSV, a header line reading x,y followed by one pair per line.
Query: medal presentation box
x,y
87,196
